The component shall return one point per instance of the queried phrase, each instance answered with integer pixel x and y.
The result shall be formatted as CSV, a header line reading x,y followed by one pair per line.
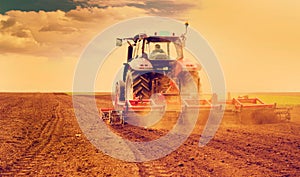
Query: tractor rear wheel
x,y
138,85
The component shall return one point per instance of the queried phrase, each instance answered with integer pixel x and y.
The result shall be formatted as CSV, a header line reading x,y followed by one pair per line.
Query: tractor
x,y
155,65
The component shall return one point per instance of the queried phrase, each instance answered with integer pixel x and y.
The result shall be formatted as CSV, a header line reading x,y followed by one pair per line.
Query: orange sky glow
x,y
257,43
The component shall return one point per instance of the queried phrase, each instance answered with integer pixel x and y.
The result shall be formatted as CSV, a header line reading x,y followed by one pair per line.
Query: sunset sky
x,y
257,42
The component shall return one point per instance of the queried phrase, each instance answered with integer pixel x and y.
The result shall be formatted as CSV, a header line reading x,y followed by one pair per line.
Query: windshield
x,y
164,48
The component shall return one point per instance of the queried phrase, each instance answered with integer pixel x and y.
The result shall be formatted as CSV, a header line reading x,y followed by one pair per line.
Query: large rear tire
x,y
138,85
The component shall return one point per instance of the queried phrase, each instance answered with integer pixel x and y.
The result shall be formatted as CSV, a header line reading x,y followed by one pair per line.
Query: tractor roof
x,y
162,38
156,38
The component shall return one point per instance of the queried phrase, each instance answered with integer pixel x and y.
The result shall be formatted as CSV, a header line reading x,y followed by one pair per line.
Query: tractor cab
x,y
153,47
163,47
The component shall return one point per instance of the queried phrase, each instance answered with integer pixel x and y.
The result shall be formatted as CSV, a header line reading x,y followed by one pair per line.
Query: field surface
x,y
40,136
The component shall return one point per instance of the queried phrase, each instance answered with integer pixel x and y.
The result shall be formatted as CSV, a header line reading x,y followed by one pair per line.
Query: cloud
x,y
56,34
7,23
58,28
17,41
93,14
169,8
107,3
15,37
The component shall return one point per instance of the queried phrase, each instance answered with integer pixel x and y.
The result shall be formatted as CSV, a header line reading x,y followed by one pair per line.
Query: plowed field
x,y
40,136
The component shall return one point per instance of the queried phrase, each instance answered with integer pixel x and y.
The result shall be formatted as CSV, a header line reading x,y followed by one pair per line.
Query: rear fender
x,y
186,65
140,64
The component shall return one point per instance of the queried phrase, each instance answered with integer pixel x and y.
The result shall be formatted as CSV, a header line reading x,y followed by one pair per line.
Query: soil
x,y
40,136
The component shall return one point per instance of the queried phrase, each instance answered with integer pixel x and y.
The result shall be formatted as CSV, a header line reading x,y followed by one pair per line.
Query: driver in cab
x,y
157,52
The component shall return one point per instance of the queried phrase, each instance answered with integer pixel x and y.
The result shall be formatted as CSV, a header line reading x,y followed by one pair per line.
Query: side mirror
x,y
119,42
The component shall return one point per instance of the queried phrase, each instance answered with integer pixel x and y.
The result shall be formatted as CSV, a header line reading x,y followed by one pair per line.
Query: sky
x,y
256,42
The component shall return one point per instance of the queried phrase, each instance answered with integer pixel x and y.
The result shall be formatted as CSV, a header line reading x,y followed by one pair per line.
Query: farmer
x,y
157,49
158,53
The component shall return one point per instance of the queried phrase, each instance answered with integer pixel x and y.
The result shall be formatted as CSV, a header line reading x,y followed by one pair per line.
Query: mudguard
x,y
186,65
140,64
